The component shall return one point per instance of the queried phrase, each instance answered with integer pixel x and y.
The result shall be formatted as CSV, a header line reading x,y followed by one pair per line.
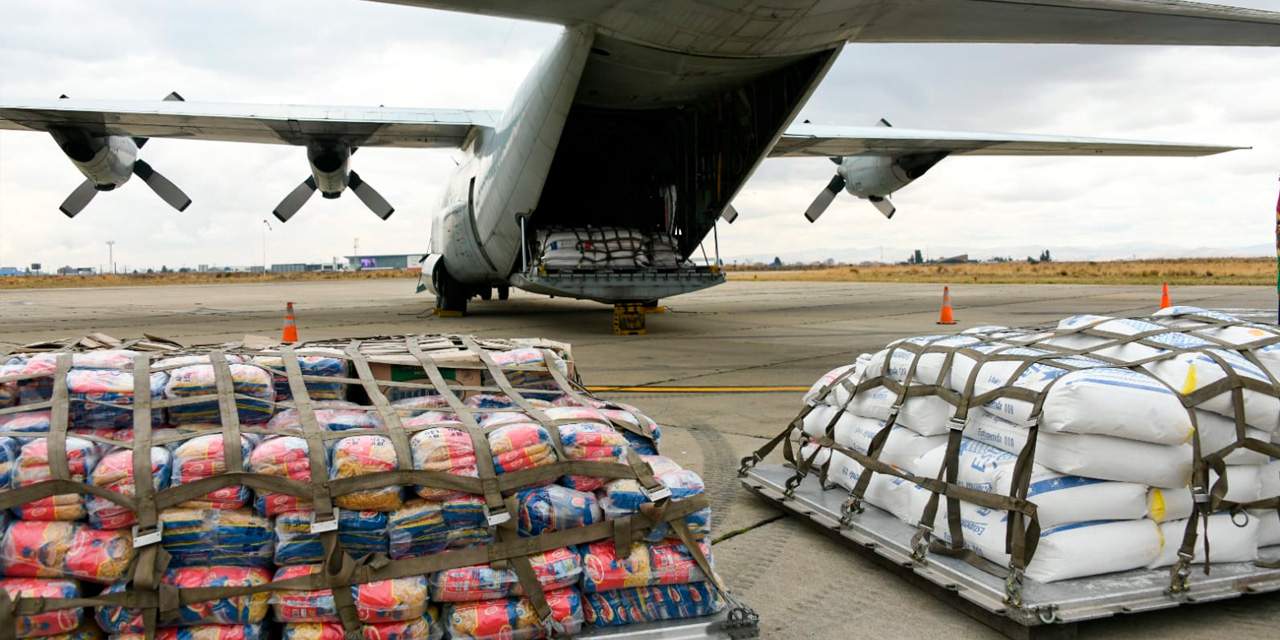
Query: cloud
x,y
363,53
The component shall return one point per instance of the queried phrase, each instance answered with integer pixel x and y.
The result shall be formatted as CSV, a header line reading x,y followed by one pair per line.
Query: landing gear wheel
x,y
504,292
453,295
486,293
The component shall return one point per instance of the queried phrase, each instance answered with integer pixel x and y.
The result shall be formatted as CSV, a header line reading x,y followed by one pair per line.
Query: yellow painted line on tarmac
x,y
726,389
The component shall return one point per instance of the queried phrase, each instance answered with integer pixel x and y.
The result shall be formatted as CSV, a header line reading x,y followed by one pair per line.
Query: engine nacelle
x,y
878,177
330,162
106,162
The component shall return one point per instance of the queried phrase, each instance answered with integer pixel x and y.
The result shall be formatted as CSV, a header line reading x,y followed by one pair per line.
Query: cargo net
x,y
607,248
400,488
1099,446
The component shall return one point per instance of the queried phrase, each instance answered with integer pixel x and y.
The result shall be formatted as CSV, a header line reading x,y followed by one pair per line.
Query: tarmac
x,y
741,334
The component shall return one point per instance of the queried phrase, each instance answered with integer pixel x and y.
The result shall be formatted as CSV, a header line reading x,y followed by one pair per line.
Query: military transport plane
x,y
686,96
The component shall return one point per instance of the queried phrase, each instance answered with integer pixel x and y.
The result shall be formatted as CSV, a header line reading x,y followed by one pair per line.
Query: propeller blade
x,y
369,196
78,199
824,199
884,206
295,199
729,214
168,191
883,123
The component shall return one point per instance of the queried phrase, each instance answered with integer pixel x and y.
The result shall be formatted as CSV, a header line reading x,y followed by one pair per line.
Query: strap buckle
x,y
749,463
654,495
496,518
957,424
148,537
326,525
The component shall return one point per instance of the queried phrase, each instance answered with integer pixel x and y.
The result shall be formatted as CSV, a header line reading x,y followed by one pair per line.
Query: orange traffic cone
x,y
946,318
1164,297
290,326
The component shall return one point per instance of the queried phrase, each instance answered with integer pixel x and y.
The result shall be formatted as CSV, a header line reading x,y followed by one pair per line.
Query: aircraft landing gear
x,y
485,293
453,295
504,292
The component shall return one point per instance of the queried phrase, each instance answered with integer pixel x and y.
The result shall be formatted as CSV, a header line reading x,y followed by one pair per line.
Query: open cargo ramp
x,y
1046,611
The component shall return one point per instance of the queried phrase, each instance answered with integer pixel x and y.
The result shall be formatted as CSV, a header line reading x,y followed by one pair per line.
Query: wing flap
x,y
269,124
803,141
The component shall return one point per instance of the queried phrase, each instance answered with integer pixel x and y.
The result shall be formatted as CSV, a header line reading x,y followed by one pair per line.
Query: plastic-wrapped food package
x,y
491,401
314,363
115,473
32,467
526,382
86,631
331,415
359,533
442,449
66,550
520,446
284,457
555,508
417,529
424,628
362,455
108,440
649,604
9,448
417,405
626,493
198,380
50,623
698,522
204,632
591,441
648,565
555,569
235,610
204,457
465,522
103,398
397,600
622,413
216,537
36,389
9,389
27,421
512,618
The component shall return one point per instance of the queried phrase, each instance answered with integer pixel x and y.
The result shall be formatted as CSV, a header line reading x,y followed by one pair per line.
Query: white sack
x,y
925,415
1268,527
885,491
1218,432
1090,456
902,448
1070,551
1227,542
1060,499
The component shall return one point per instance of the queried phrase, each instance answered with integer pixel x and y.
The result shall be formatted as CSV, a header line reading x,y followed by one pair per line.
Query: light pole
x,y
111,254
355,254
266,227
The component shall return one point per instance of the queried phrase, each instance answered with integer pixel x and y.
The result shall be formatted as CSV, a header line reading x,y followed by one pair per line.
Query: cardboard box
x,y
414,373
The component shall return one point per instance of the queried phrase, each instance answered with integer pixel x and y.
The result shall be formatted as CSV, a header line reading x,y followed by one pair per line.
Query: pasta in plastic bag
x,y
397,600
314,363
555,508
252,385
115,473
66,550
32,467
235,610
103,399
512,618
442,449
424,628
359,533
237,538
362,455
650,604
49,623
331,415
626,493
205,457
284,457
555,569
256,631
647,565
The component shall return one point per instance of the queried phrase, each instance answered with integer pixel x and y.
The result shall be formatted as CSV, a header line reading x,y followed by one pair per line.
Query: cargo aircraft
x,y
686,98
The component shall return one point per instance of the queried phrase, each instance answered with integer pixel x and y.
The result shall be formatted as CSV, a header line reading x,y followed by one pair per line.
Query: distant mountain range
x,y
1137,251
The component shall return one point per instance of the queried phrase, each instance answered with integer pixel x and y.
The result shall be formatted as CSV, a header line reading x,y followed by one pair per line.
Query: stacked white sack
x,y
1113,455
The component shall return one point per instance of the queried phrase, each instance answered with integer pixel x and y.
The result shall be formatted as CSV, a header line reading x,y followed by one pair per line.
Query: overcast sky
x,y
346,52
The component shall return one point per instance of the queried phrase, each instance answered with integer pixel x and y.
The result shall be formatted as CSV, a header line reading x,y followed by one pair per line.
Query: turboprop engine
x,y
330,175
108,162
873,178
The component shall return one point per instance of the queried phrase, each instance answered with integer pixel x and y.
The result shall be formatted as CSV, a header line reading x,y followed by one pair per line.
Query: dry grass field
x,y
1180,272
160,279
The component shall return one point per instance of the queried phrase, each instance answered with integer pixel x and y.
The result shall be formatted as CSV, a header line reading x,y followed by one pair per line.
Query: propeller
x,y
330,176
881,203
162,186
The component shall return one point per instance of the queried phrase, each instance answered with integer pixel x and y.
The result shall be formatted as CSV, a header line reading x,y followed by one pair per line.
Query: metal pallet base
x,y
1048,610
721,626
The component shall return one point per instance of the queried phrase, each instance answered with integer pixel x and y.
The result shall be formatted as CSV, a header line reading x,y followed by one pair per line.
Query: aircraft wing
x,y
271,124
678,24
806,140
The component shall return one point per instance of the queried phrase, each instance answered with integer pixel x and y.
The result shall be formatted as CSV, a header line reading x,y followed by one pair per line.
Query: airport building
x,y
385,262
